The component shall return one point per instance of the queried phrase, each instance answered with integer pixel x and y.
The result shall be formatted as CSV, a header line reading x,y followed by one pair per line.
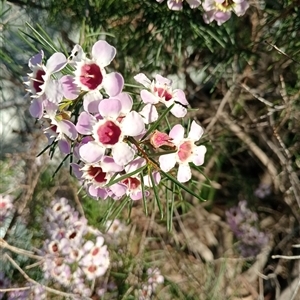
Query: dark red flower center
x,y
95,251
163,93
92,269
38,80
109,133
132,183
227,3
97,174
91,76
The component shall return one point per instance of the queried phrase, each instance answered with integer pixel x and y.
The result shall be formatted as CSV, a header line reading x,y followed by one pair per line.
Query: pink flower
x,y
90,74
41,85
96,260
110,131
132,186
177,4
220,10
61,129
161,91
186,152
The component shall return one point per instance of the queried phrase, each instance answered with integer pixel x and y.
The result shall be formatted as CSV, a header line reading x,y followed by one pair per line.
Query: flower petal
x,y
91,101
142,79
53,91
199,154
184,173
163,80
148,97
122,153
103,52
70,89
196,132
69,129
85,123
108,165
126,102
97,192
178,110
118,189
113,83
36,108
110,108
177,134
180,97
36,59
64,146
149,112
91,152
167,161
56,62
76,170
193,3
135,164
133,124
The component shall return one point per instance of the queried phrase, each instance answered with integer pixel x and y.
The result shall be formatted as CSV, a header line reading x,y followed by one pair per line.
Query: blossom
x,y
110,131
244,224
96,260
186,152
220,10
132,185
90,74
41,84
177,4
97,176
161,91
61,129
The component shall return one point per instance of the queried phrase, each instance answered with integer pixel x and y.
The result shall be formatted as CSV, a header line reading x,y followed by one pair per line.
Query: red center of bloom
x,y
72,235
162,93
97,174
92,269
38,80
185,151
132,183
91,76
2,205
54,248
109,133
95,251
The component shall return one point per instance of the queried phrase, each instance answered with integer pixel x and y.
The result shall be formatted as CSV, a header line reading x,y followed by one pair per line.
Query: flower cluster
x,y
154,278
214,10
34,292
244,224
220,10
74,253
87,115
177,4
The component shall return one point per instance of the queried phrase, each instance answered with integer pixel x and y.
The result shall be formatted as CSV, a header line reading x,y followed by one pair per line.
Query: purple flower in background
x,y
244,224
220,10
177,4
